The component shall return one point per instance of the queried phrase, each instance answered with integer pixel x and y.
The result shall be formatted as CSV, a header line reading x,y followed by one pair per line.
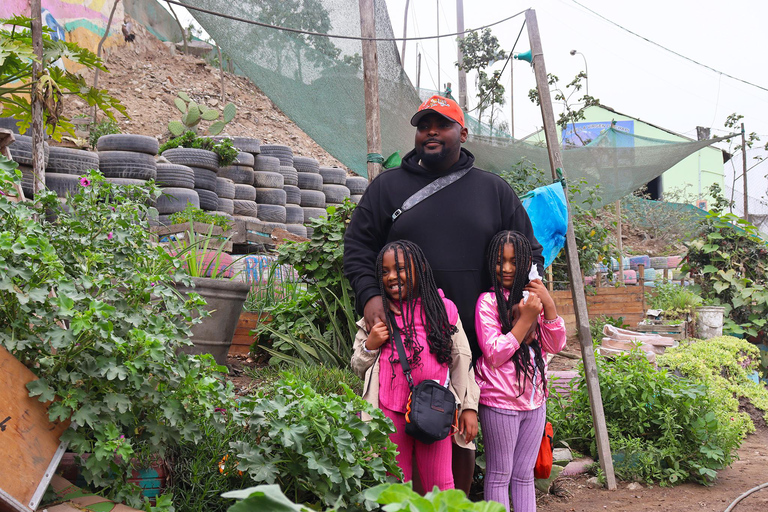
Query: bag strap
x,y
401,351
434,187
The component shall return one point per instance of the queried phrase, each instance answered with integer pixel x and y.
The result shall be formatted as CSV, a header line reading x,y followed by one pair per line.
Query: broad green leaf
x,y
210,114
262,498
176,128
229,112
42,389
709,269
216,128
184,96
181,105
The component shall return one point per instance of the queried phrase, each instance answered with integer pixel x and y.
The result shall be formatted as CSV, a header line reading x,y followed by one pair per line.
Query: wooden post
x,y
744,163
620,242
38,127
641,282
418,73
460,55
511,99
405,32
437,39
550,279
574,272
370,84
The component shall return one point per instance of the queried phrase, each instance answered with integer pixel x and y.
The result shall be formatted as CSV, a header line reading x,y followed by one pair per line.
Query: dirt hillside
x,y
147,75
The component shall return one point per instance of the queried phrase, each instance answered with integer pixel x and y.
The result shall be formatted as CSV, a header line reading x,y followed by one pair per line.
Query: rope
x,y
356,38
752,490
375,158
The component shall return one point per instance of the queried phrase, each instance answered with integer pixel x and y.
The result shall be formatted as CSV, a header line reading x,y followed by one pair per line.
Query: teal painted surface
x,y
72,25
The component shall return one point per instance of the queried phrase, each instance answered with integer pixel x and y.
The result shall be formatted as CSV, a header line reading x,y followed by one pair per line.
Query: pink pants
x,y
433,460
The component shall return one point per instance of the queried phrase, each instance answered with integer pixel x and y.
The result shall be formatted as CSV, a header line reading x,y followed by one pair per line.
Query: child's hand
x,y
547,302
377,337
530,309
468,425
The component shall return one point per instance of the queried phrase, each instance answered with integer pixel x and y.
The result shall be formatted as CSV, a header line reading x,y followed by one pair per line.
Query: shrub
x,y
89,306
315,446
596,325
724,365
224,149
661,427
97,130
193,214
677,302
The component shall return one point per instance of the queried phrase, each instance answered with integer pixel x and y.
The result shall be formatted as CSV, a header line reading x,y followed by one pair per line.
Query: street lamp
x,y
586,71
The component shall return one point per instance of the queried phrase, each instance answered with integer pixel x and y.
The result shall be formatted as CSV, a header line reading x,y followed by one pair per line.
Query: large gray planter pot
x,y
225,299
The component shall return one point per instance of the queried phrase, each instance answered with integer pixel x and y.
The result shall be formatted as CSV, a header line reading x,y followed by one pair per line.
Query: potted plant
x,y
204,152
89,307
211,274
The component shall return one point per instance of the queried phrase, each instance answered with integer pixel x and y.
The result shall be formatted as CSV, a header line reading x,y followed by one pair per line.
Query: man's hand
x,y
374,312
468,425
378,336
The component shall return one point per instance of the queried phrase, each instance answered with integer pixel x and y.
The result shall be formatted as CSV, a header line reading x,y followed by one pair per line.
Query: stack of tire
x,y
21,153
204,166
312,198
272,196
356,186
334,185
124,159
177,184
235,197
297,213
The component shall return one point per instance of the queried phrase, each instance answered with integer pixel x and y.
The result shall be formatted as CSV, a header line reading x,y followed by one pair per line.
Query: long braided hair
x,y
421,282
507,306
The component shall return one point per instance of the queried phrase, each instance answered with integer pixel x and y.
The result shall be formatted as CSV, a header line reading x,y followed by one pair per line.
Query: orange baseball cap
x,y
439,105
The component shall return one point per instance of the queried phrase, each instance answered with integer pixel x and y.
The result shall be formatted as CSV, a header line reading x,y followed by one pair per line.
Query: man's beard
x,y
430,159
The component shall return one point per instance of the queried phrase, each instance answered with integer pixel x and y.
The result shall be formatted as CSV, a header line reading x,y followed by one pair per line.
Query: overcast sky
x,y
625,72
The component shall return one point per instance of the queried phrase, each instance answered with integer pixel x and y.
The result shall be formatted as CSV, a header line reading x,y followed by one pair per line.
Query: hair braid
x,y
507,306
420,280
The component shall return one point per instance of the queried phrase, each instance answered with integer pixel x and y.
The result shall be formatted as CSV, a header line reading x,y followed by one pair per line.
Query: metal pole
x,y
460,55
418,72
439,83
744,162
370,84
511,99
405,31
574,269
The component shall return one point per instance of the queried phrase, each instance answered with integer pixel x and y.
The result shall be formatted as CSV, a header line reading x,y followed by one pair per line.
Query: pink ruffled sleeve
x,y
497,348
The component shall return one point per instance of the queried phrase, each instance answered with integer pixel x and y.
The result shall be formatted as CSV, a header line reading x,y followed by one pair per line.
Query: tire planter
x,y
271,213
73,161
355,198
356,184
62,184
290,175
310,181
245,192
313,213
297,229
294,214
270,196
263,179
126,164
226,205
292,194
225,188
126,181
21,151
237,173
173,175
333,175
127,142
245,159
335,193
312,199
173,200
245,208
193,158
204,178
208,199
266,163
226,215
306,164
246,144
225,299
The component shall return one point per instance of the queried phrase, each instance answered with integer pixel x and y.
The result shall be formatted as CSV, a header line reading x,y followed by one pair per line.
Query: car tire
x,y
310,181
313,213
335,193
266,163
209,201
237,173
128,142
294,214
225,188
271,213
245,192
270,196
175,199
193,157
292,194
173,175
73,161
126,164
245,208
312,199
226,205
263,179
356,184
204,178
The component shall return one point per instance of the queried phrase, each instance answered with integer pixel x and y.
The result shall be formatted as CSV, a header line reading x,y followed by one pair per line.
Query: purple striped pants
x,y
512,440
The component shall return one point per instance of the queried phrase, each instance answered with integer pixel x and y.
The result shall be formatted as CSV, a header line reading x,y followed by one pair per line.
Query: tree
x,y
478,52
732,122
570,114
16,85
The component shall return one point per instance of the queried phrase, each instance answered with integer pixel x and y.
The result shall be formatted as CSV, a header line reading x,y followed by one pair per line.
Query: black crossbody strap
x,y
401,351
436,186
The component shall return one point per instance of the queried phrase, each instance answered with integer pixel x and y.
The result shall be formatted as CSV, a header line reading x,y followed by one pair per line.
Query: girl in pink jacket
x,y
515,334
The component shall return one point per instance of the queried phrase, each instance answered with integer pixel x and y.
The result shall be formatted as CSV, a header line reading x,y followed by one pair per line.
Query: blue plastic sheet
x,y
548,212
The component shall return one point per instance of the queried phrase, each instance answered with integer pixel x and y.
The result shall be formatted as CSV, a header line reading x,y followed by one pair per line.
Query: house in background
x,y
692,176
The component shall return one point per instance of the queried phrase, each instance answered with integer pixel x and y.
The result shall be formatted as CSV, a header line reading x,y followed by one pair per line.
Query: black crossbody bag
x,y
431,411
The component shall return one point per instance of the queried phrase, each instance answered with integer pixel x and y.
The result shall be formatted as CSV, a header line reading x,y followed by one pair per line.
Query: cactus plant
x,y
192,113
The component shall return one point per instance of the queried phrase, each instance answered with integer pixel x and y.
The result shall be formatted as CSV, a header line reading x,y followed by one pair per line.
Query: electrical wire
x,y
334,36
668,49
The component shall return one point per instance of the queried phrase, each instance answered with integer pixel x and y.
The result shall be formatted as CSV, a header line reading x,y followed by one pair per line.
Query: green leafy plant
x,y
315,446
596,325
89,306
224,149
729,265
17,86
724,364
199,258
479,51
662,428
677,302
194,214
97,130
192,113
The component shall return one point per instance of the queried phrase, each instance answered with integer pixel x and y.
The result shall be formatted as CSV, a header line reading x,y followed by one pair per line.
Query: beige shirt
x,y
463,385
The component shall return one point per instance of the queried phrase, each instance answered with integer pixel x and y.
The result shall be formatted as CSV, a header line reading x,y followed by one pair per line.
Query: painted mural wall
x,y
79,21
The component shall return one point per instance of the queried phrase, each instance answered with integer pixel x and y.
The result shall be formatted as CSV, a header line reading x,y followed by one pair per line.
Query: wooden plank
x,y
574,270
29,442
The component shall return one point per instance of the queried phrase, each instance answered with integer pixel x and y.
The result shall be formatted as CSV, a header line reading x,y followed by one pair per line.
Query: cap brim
x,y
421,113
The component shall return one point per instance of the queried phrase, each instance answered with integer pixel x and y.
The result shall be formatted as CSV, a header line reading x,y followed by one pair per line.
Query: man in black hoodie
x,y
453,227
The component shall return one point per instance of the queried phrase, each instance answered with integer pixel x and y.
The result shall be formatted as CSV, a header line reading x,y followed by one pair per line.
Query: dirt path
x,y
749,471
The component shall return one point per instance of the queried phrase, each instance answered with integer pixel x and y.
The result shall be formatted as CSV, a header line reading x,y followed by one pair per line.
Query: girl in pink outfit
x,y
437,349
515,334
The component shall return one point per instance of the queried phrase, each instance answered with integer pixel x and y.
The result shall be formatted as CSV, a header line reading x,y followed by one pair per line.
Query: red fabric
x,y
543,466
